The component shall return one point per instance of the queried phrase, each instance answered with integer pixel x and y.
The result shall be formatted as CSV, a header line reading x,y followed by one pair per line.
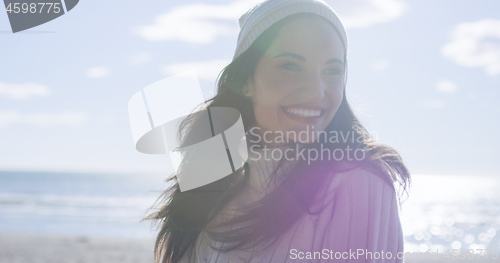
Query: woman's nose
x,y
313,88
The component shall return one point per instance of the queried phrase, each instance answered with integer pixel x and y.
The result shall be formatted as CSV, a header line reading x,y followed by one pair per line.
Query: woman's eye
x,y
291,66
334,71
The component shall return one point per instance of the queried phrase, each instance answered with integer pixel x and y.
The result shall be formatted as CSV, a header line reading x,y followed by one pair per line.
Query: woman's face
x,y
298,83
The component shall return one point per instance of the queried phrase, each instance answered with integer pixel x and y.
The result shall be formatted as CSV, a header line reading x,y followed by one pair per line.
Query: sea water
x,y
445,212
106,205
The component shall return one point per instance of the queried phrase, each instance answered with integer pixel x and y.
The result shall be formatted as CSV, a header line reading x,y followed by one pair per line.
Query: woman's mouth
x,y
304,113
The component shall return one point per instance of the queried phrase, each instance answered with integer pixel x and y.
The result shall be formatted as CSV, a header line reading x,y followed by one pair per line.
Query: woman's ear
x,y
249,88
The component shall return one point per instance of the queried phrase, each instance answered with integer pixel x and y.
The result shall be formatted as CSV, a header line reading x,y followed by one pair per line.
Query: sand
x,y
23,248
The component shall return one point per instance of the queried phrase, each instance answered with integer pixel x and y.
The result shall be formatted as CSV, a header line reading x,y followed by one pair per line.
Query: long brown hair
x,y
183,215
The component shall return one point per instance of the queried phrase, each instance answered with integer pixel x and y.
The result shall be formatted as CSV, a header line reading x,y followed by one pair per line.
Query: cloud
x,y
366,13
446,86
196,23
23,90
205,69
203,23
13,117
97,72
380,65
433,104
476,44
140,58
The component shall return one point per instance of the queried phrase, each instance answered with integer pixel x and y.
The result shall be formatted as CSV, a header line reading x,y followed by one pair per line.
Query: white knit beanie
x,y
256,20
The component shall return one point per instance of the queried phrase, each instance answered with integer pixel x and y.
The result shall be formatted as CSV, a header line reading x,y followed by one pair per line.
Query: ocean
x,y
104,205
445,212
442,211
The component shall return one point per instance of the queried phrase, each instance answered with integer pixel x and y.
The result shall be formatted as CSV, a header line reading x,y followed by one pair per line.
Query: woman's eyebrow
x,y
288,54
301,58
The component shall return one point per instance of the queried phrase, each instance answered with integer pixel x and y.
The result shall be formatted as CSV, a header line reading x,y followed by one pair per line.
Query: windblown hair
x,y
183,215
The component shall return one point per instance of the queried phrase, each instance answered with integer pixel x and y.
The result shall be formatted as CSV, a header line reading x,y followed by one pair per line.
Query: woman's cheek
x,y
280,80
267,116
337,91
289,81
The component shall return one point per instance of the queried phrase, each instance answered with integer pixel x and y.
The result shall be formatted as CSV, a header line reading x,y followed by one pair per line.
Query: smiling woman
x,y
288,77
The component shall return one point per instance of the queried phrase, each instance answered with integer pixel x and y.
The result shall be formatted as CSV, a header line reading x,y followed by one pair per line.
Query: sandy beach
x,y
23,248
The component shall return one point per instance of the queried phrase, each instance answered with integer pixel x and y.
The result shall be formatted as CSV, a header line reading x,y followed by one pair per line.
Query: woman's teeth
x,y
304,112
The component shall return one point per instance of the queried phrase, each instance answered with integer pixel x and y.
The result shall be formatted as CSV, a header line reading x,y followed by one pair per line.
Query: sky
x,y
424,77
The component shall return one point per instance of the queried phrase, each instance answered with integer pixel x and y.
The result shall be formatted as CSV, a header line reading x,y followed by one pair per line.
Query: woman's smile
x,y
303,113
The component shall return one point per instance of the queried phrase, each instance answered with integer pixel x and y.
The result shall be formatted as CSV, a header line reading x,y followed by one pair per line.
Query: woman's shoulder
x,y
377,172
356,179
362,173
